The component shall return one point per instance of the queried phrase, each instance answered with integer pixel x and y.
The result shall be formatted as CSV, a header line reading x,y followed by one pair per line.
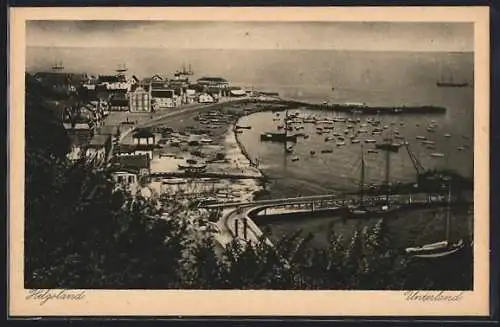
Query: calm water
x,y
325,172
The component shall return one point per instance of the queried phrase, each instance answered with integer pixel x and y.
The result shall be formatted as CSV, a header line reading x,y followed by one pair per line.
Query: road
x,y
161,117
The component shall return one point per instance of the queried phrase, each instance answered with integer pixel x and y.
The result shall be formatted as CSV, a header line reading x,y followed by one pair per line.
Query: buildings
x,y
116,83
127,171
217,82
206,98
118,102
144,136
140,100
98,148
162,96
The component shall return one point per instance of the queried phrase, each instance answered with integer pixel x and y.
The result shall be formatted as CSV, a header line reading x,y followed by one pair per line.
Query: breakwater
x,y
360,109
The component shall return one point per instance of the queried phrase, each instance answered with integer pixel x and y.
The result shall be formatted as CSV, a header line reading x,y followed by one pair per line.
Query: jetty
x,y
363,108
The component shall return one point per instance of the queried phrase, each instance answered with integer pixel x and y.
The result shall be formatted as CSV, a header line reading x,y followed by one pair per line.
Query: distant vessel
x,y
57,66
447,80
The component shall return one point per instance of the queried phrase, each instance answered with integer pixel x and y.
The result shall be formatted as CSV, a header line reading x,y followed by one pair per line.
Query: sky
x,y
367,36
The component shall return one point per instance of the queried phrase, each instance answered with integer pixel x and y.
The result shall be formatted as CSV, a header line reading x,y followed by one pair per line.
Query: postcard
x,y
249,161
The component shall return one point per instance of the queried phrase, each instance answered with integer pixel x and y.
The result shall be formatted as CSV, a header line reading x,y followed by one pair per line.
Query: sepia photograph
x,y
208,154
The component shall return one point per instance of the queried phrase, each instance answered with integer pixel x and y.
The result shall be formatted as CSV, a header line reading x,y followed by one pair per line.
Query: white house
x,y
205,98
144,136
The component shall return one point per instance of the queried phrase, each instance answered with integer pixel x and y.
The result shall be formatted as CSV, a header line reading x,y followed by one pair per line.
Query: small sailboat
x,y
441,248
447,80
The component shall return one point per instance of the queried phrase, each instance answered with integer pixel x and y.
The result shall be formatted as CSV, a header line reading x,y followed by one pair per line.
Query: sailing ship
x,y
373,209
57,66
447,80
441,248
121,69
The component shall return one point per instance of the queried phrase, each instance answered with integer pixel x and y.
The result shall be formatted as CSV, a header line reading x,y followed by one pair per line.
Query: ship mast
x,y
447,235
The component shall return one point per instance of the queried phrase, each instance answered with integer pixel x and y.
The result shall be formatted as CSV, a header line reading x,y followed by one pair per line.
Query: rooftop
x,y
109,129
131,162
142,133
212,79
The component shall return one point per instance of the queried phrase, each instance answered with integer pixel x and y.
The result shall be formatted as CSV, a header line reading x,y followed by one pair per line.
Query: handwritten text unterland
x,y
45,295
433,296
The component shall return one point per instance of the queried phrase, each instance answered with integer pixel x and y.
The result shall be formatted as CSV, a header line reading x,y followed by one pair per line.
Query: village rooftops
x,y
142,133
118,99
109,130
80,137
132,162
109,79
162,85
99,141
212,79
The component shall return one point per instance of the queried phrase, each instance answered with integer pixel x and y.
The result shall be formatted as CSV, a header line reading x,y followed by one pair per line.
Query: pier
x,y
238,218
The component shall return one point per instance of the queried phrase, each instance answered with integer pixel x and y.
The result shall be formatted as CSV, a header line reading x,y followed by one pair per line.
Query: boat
x,y
460,148
328,138
370,141
295,158
437,155
340,143
441,248
327,151
312,152
430,129
278,137
399,137
243,127
372,151
427,142
447,80
354,141
388,146
206,141
421,138
371,210
447,135
289,149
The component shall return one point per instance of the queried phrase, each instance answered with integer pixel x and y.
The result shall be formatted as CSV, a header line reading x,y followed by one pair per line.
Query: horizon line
x,y
256,49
